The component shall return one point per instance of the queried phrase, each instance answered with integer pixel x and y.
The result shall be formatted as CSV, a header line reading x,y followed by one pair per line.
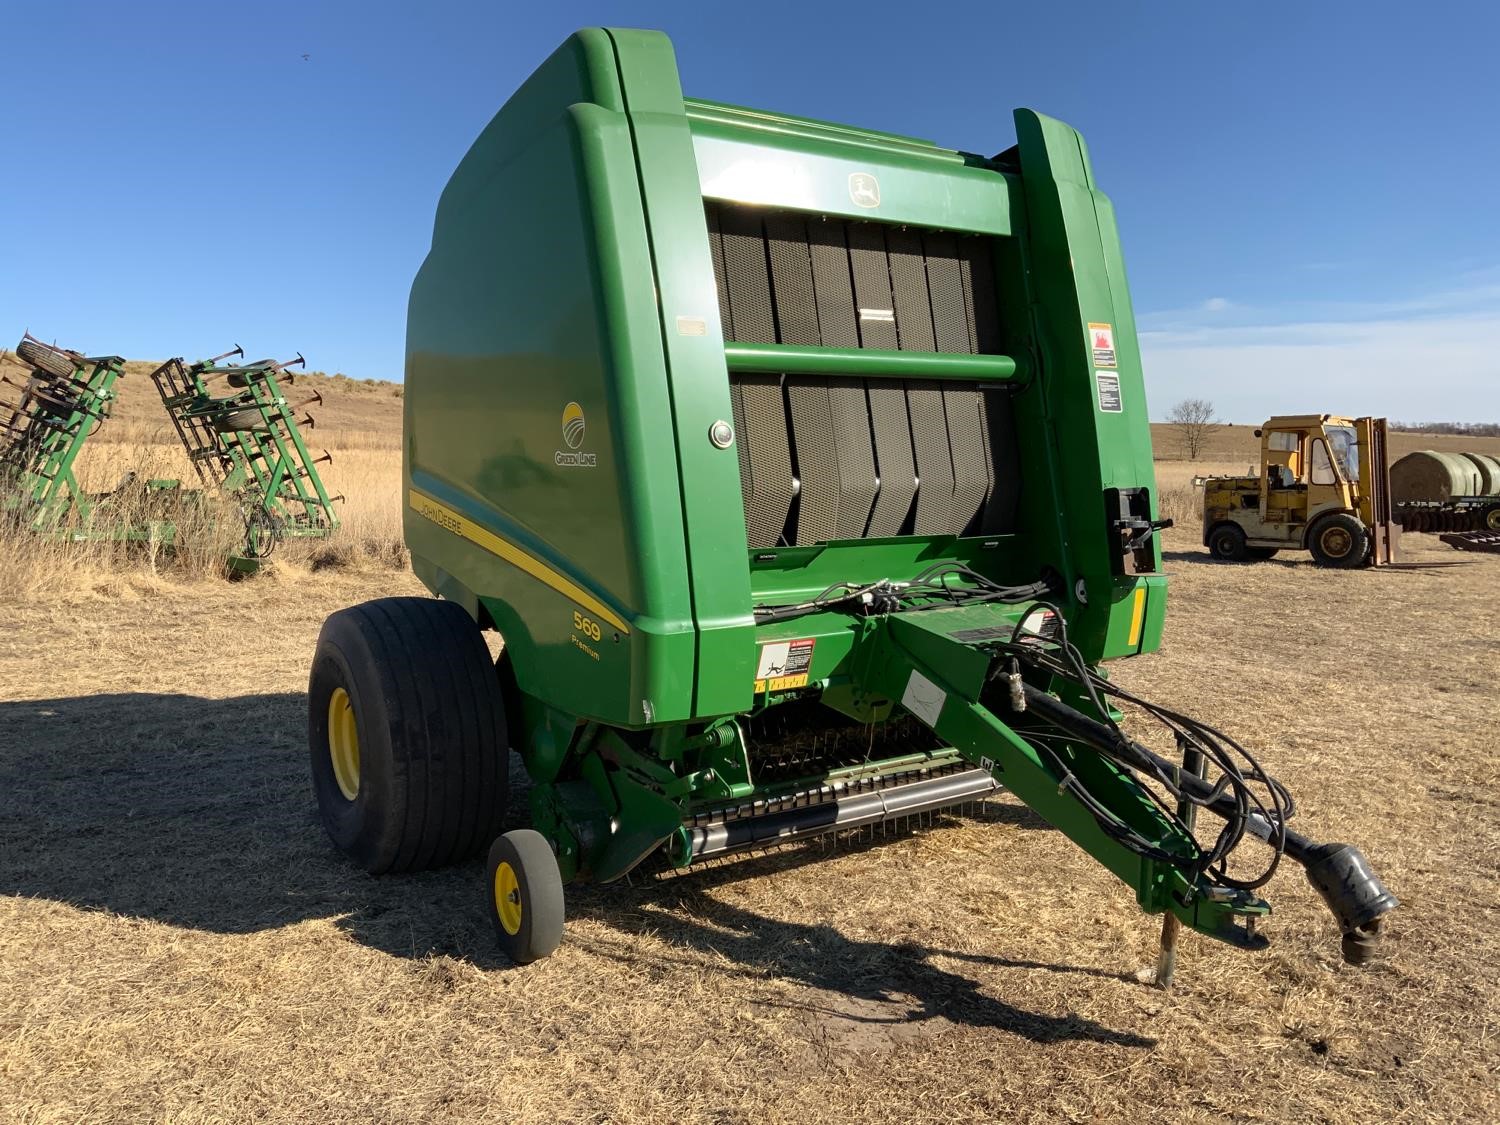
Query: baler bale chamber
x,y
805,471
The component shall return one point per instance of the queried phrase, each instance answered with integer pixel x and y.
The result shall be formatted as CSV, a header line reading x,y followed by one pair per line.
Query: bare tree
x,y
1194,420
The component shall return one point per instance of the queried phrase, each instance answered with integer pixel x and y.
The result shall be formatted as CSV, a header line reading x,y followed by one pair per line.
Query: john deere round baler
x,y
805,472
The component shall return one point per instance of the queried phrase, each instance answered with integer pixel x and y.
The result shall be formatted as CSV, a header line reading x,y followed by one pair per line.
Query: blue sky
x,y
1305,190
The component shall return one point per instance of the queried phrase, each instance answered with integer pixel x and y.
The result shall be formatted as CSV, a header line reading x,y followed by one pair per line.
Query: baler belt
x,y
747,282
838,318
891,429
765,448
875,309
844,458
792,281
788,278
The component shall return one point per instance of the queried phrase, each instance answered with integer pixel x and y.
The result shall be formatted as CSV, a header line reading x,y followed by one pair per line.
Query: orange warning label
x,y
1102,342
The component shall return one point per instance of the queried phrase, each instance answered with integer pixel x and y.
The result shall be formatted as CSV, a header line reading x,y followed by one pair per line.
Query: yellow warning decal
x,y
1137,616
781,683
446,518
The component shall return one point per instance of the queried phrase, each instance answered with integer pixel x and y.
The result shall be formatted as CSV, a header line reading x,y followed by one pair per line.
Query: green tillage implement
x,y
247,444
67,398
805,471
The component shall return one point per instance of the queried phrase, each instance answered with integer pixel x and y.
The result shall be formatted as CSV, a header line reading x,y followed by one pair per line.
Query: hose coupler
x,y
1355,894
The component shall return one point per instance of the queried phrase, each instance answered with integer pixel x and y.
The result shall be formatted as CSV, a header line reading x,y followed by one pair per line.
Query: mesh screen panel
x,y
873,457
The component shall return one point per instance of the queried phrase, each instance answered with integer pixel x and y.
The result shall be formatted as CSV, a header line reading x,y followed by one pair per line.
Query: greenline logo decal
x,y
573,429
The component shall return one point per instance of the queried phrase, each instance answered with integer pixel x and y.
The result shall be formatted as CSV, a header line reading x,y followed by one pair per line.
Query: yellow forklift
x,y
1324,486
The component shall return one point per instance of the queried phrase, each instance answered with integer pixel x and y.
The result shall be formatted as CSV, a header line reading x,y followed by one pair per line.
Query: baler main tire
x,y
43,358
526,895
1339,540
1227,543
1490,521
406,735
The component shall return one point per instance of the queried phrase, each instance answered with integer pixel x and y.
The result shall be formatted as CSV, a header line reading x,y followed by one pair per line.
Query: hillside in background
x,y
354,413
1239,443
366,413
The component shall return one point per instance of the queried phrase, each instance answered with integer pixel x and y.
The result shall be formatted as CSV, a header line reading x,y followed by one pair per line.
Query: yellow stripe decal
x,y
1137,616
446,518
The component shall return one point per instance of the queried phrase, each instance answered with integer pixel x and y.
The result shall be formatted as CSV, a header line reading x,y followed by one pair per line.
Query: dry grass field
x,y
182,943
1235,447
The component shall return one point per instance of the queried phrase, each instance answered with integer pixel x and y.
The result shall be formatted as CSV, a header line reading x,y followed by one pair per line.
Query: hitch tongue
x,y
1355,894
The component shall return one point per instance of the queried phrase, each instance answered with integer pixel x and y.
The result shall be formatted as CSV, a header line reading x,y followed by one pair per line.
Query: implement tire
x,y
235,421
1490,520
1339,540
43,358
1227,543
525,895
406,735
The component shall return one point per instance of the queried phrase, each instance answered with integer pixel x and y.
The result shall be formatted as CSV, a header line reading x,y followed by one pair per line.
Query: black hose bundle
x,y
1243,793
933,588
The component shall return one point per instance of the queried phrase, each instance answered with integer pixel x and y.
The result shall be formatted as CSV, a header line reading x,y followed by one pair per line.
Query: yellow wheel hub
x,y
1336,542
508,898
343,743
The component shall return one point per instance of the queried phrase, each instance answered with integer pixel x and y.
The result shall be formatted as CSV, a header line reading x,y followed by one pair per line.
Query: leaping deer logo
x,y
864,189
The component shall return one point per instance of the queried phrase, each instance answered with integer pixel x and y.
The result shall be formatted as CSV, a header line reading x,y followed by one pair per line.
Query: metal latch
x,y
1136,533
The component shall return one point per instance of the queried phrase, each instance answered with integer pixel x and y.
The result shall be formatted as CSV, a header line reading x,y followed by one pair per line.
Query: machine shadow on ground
x,y
198,813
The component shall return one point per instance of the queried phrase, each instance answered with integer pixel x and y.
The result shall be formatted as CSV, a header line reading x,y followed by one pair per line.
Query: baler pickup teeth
x,y
898,802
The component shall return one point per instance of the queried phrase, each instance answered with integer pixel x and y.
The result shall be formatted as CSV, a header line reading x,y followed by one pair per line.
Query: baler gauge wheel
x,y
526,895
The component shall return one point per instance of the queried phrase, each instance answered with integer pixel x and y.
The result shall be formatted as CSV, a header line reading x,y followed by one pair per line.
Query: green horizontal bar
x,y
805,359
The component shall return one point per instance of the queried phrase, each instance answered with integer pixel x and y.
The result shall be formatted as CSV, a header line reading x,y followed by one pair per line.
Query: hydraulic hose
x,y
1339,872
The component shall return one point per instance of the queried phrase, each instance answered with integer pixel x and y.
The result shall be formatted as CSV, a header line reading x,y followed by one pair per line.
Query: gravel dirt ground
x,y
181,941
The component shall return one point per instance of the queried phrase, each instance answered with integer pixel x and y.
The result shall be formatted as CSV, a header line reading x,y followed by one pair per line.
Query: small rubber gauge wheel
x,y
526,895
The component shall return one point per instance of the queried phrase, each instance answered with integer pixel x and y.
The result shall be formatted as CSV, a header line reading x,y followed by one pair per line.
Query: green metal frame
x,y
561,484
265,465
43,446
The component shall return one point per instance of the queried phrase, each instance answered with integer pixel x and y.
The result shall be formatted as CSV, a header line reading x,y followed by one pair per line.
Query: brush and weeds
x,y
117,550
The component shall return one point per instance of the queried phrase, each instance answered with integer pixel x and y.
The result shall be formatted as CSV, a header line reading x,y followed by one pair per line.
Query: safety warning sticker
x,y
923,698
1102,340
1109,392
784,664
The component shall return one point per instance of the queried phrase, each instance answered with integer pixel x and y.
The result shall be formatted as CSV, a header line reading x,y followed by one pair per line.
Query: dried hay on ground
x,y
181,942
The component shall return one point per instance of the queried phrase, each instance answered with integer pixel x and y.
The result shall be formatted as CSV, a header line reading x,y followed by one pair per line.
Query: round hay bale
x,y
1489,473
1433,476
